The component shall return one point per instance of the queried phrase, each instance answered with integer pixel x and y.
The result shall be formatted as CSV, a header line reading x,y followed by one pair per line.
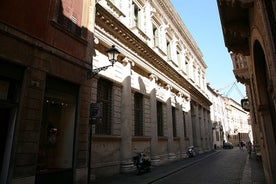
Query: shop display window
x,y
57,131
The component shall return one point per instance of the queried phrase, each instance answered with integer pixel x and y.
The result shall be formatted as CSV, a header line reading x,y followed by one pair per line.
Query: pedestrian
x,y
249,148
241,145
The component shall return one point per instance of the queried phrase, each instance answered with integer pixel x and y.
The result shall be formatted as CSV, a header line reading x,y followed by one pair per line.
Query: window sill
x,y
106,138
141,138
163,138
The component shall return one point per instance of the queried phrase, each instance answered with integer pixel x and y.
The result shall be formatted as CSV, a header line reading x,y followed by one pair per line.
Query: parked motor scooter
x,y
142,164
190,151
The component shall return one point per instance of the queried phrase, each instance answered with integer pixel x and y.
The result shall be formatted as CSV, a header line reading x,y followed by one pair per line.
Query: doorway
x,y
264,85
4,126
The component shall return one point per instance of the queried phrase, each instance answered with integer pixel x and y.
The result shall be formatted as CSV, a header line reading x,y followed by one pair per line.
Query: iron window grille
x,y
138,114
174,122
184,124
160,131
104,97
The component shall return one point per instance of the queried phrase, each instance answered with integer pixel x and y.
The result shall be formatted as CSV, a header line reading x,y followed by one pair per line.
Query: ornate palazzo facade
x,y
154,99
249,33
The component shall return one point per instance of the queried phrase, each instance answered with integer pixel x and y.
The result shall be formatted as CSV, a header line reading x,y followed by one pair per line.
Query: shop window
x,y
56,145
138,114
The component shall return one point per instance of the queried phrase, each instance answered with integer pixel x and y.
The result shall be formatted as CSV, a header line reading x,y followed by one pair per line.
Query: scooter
x,y
190,151
142,164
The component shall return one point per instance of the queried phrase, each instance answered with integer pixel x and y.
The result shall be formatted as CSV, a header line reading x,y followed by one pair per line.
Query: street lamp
x,y
112,55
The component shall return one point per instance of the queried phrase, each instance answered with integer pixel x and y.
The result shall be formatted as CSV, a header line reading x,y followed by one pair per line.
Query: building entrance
x,y
5,117
10,88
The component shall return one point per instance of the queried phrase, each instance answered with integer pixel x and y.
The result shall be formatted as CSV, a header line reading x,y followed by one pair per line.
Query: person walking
x,y
241,145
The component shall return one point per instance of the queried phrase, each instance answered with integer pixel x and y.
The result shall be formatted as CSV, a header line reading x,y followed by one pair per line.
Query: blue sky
x,y
202,19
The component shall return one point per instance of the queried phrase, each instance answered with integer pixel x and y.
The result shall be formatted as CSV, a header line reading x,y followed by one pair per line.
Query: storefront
x,y
57,133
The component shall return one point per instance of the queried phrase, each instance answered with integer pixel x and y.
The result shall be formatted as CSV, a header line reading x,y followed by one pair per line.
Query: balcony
x,y
240,68
234,16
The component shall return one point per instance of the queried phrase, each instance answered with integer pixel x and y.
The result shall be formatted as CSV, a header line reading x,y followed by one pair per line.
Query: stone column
x,y
126,121
189,126
200,129
196,127
169,124
180,126
155,159
205,129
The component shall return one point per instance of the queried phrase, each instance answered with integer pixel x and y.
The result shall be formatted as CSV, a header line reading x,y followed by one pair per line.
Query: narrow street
x,y
225,167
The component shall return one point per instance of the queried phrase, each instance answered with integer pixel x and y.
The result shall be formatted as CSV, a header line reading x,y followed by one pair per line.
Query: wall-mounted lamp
x,y
112,55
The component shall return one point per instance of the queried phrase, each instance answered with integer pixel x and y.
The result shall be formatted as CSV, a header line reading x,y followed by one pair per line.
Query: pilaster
x,y
155,159
180,128
126,121
169,124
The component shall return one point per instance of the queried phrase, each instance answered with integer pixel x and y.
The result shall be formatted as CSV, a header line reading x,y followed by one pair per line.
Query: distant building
x,y
230,123
239,126
220,126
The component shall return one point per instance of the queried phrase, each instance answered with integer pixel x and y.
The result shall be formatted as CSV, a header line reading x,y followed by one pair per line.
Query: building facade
x,y
230,122
220,126
239,125
44,93
154,99
249,33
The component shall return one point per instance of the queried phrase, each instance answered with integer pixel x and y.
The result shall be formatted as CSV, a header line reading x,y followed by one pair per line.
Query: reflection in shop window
x,y
57,131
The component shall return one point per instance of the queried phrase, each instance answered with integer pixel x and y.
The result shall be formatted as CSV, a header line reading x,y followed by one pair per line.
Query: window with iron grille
x,y
138,114
174,121
184,124
104,97
160,130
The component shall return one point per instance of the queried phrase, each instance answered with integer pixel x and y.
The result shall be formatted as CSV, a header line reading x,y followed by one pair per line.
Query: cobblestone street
x,y
220,166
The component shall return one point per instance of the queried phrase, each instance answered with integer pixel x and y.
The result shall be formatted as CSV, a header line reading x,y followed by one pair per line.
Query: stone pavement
x,y
253,171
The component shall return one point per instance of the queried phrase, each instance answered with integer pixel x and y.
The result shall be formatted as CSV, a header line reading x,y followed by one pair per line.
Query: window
x,y
160,131
217,136
174,122
138,114
155,36
69,15
178,58
187,67
136,15
104,97
169,52
184,124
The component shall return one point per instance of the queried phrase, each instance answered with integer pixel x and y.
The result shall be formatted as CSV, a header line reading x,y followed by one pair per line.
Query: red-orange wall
x,y
34,18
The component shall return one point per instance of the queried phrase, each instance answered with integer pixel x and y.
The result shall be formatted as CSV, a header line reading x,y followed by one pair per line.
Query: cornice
x,y
119,31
